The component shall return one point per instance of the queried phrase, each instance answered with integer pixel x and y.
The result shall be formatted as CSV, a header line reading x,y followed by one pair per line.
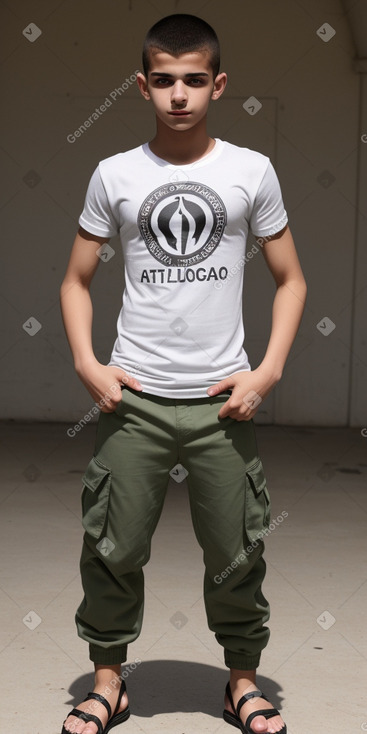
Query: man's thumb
x,y
219,387
125,379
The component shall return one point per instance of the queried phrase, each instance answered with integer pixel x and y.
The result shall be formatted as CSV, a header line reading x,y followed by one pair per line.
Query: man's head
x,y
179,34
181,64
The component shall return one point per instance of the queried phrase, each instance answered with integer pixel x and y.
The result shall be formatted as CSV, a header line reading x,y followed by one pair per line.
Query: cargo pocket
x,y
95,497
257,504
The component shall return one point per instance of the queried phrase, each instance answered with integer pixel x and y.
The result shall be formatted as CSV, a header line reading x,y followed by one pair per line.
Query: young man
x,y
183,205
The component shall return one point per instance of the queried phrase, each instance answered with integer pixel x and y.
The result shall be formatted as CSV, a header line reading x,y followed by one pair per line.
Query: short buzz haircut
x,y
179,34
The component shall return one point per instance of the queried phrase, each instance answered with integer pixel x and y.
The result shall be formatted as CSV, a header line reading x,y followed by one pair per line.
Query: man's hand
x,y
104,383
249,389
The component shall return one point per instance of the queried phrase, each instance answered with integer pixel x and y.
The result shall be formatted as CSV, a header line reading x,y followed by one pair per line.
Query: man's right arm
x,y
102,381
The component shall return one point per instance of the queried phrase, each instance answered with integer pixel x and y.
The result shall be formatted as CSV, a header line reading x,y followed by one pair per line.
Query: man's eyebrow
x,y
161,73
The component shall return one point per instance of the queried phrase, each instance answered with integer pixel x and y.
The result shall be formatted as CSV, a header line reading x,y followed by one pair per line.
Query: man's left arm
x,y
250,388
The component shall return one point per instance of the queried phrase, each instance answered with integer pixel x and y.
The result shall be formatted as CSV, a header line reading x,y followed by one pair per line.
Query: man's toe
x,y
74,726
259,725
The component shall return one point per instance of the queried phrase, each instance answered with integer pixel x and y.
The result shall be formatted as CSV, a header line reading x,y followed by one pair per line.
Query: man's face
x,y
180,88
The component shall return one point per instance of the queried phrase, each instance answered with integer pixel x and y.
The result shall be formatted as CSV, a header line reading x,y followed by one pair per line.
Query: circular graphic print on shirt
x,y
182,223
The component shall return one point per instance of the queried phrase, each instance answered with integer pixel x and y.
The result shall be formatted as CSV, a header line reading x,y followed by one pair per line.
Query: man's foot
x,y
107,684
243,682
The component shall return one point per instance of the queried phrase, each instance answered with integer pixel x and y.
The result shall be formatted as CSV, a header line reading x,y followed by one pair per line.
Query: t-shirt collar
x,y
203,161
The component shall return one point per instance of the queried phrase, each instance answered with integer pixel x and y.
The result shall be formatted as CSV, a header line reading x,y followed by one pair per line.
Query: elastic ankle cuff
x,y
108,655
241,662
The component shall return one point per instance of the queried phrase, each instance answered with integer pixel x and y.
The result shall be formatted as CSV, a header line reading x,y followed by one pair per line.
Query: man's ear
x,y
143,85
220,82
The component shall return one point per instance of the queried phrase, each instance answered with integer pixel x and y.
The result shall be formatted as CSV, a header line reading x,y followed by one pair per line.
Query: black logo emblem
x,y
182,223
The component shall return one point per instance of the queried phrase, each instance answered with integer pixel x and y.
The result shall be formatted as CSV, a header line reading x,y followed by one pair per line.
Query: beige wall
x,y
308,124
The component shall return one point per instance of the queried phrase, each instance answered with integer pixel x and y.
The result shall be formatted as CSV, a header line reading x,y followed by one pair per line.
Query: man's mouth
x,y
179,113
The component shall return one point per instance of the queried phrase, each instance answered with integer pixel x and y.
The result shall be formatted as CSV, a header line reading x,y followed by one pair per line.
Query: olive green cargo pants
x,y
123,493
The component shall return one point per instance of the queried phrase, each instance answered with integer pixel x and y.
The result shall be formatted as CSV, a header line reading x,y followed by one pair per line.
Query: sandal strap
x,y
230,697
88,717
247,697
121,693
268,713
100,699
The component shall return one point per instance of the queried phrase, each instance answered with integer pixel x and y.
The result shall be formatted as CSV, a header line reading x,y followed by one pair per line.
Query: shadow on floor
x,y
171,686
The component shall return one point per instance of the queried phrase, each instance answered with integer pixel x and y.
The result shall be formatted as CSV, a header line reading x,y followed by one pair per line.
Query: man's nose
x,y
178,94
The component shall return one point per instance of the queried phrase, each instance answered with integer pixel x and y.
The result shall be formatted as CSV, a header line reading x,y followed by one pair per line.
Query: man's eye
x,y
194,82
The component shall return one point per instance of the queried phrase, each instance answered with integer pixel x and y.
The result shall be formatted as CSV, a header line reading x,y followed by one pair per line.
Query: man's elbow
x,y
296,285
303,287
299,286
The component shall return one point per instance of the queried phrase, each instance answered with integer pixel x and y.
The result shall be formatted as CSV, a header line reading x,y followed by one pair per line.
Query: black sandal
x,y
112,720
235,720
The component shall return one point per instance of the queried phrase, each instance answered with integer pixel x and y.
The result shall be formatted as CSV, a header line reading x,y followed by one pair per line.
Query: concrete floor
x,y
314,668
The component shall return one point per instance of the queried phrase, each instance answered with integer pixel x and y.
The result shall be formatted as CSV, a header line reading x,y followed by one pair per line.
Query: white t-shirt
x,y
183,231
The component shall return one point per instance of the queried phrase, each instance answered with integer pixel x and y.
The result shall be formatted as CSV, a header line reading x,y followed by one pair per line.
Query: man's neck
x,y
181,148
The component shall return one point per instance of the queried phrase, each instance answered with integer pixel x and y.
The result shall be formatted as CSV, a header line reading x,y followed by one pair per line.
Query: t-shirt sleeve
x,y
97,216
268,214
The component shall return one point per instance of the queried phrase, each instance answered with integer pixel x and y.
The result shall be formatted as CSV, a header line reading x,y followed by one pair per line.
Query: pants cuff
x,y
241,662
108,655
